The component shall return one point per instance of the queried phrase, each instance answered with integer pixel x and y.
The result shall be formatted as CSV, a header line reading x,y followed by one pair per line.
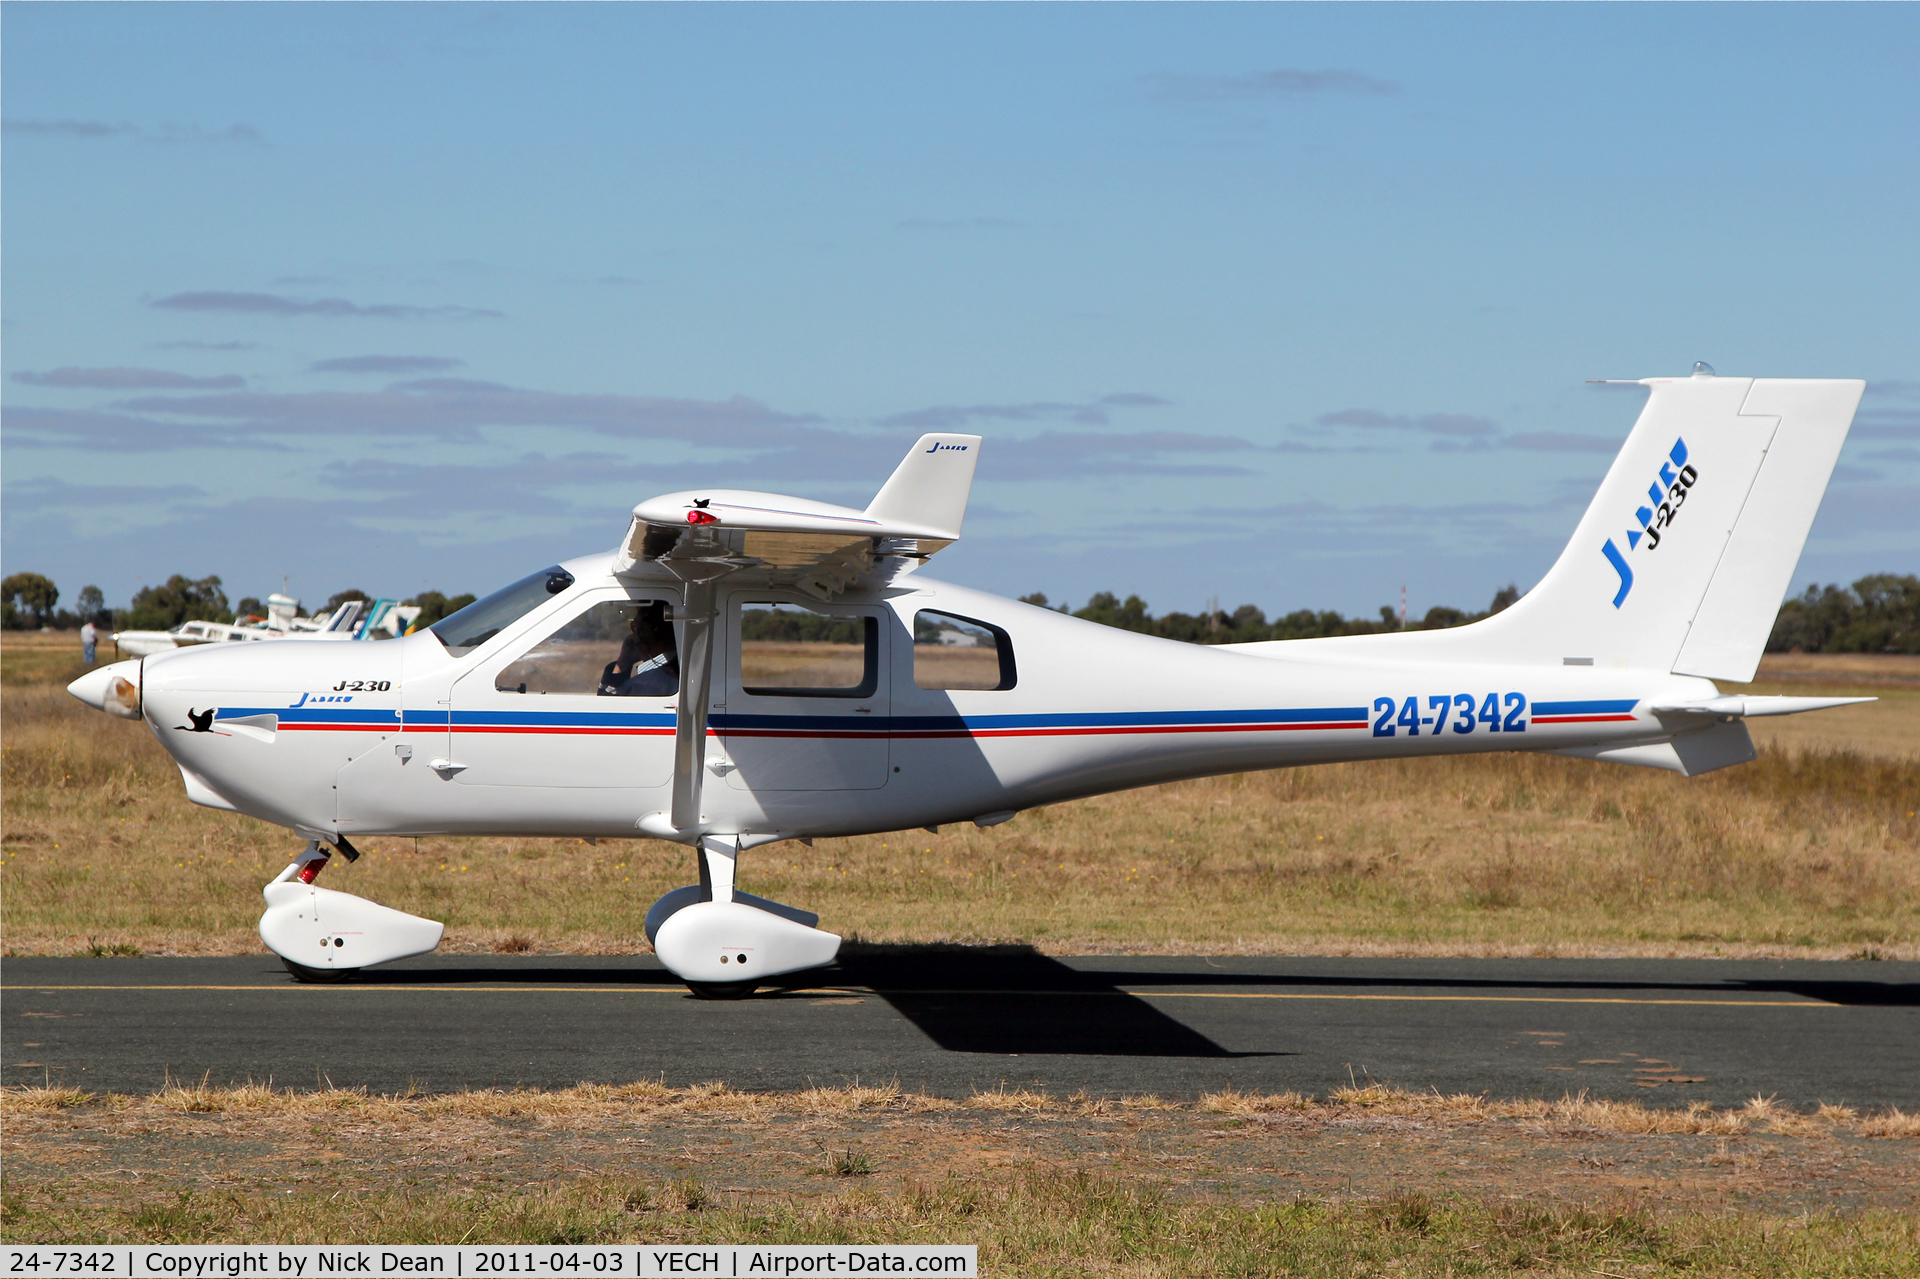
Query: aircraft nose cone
x,y
114,688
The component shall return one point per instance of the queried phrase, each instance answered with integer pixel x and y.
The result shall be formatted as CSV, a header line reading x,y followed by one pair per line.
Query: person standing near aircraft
x,y
89,637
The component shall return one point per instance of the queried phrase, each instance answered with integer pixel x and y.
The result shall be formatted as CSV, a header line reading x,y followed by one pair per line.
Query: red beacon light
x,y
701,517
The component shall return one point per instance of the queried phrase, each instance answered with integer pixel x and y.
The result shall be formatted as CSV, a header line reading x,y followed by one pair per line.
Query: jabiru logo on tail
x,y
1665,496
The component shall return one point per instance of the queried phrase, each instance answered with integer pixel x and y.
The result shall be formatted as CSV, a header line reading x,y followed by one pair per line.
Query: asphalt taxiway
x,y
952,1021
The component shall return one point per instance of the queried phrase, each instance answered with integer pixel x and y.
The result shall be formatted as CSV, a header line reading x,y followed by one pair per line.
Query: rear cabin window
x,y
953,652
787,650
620,648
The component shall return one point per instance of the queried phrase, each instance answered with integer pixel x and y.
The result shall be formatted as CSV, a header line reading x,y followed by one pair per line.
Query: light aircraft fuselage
x,y
407,738
751,667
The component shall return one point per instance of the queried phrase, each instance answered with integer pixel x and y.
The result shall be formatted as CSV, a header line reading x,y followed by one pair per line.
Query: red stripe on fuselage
x,y
910,735
346,728
1142,728
864,733
574,731
469,728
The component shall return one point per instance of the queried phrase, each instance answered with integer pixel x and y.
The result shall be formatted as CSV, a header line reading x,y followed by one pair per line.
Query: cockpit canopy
x,y
485,618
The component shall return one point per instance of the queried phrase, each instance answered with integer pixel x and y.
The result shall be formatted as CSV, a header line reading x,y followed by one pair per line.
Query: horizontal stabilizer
x,y
1688,754
1753,707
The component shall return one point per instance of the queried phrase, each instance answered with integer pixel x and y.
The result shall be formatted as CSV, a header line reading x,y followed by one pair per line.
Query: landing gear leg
x,y
325,937
722,942
306,868
718,860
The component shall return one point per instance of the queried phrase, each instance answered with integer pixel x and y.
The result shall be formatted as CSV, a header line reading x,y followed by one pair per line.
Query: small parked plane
x,y
745,668
355,619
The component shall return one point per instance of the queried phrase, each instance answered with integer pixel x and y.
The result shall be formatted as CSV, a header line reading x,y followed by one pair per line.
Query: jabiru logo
x,y
1665,496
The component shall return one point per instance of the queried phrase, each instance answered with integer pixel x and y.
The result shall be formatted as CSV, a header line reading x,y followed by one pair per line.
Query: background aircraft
x,y
355,619
745,668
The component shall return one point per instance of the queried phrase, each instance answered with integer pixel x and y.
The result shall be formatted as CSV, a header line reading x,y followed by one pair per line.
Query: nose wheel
x,y
318,976
325,937
722,989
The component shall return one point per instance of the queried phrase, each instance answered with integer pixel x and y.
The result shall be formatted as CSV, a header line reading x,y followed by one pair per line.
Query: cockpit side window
x,y
485,618
617,648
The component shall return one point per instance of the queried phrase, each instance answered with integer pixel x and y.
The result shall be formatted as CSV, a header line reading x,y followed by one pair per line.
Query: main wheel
x,y
722,989
318,976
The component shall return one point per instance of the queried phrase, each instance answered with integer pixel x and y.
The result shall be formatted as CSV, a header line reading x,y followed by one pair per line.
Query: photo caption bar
x,y
464,1261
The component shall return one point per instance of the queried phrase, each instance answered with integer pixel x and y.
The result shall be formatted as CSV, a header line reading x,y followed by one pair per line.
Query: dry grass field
x,y
1366,1180
1810,850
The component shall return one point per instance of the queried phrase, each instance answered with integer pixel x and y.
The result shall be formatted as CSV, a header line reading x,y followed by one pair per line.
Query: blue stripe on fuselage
x,y
558,719
1619,707
902,724
1126,719
308,715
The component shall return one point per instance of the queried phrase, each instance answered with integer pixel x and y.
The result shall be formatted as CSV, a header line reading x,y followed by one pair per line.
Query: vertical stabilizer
x,y
1625,589
1681,560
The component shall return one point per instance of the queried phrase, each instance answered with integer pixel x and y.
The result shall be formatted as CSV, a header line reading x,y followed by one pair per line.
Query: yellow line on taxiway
x,y
363,988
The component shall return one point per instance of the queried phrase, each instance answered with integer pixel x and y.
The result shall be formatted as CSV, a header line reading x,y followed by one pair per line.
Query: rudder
x,y
1736,616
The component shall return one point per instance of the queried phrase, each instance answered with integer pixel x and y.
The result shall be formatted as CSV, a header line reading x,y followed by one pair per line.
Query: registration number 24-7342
x,y
1463,712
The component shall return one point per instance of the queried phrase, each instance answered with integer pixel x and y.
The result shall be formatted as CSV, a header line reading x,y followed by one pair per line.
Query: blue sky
x,y
1287,304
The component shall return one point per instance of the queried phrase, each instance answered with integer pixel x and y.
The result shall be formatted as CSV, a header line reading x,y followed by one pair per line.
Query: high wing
x,y
815,547
703,536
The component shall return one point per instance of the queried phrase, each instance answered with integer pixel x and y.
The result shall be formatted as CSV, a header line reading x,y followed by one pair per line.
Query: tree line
x,y
1248,623
1880,613
31,603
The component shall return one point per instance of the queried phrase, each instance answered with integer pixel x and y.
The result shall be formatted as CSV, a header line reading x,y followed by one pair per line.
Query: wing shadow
x,y
1013,1000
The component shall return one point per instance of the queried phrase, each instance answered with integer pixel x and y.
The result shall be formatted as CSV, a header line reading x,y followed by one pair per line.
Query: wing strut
x,y
690,732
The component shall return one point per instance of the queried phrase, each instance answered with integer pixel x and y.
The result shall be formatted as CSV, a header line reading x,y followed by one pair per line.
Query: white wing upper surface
x,y
816,547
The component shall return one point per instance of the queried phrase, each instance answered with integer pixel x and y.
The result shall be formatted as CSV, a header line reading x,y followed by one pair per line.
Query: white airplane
x,y
343,623
746,668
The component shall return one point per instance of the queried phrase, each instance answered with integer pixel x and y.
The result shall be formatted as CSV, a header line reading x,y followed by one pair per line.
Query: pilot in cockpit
x,y
648,665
